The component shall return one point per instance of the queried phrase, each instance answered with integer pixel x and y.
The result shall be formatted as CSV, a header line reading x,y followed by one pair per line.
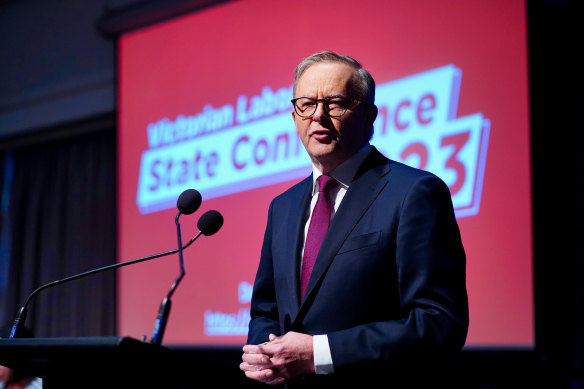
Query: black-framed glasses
x,y
334,106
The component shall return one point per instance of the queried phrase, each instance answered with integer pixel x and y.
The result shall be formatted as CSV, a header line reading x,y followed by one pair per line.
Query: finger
x,y
272,377
272,337
250,367
256,359
255,346
266,376
265,349
253,349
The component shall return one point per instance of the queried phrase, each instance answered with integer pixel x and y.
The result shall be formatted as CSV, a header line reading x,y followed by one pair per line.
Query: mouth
x,y
322,135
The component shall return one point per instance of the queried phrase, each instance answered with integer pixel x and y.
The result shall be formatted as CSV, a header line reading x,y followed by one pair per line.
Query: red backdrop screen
x,y
204,103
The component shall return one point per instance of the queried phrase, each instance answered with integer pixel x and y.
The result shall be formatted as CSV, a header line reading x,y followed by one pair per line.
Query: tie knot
x,y
325,183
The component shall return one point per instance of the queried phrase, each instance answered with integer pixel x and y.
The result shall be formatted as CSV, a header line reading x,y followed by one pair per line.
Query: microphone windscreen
x,y
189,201
210,222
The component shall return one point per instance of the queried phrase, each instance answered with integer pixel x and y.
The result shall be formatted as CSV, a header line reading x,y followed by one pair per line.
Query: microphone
x,y
209,223
188,202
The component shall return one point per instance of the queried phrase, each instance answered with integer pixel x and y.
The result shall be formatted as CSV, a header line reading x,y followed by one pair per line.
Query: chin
x,y
321,155
321,149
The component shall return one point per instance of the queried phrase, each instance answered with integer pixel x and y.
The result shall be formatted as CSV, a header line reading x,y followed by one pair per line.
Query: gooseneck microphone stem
x,y
21,317
180,257
164,311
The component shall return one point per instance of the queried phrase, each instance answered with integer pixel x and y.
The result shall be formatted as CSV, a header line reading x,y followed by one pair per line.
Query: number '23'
x,y
456,140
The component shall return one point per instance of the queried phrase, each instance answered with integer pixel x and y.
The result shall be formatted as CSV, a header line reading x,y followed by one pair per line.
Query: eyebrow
x,y
327,97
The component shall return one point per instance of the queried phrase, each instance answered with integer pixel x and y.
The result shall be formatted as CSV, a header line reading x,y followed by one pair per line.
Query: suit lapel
x,y
361,193
294,240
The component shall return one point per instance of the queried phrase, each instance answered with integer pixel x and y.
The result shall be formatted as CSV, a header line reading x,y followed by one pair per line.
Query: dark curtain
x,y
60,221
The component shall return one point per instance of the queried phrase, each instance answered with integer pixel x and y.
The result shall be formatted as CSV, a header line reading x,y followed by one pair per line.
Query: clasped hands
x,y
281,358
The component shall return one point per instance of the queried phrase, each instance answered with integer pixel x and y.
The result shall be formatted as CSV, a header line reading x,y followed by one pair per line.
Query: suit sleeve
x,y
264,309
431,271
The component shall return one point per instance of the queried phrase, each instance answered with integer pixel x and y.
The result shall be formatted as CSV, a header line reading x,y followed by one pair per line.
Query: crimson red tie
x,y
319,223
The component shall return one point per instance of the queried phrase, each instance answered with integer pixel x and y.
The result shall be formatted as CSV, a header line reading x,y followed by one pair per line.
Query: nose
x,y
320,112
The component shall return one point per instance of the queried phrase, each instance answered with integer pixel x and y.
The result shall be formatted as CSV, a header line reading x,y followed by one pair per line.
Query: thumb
x,y
272,337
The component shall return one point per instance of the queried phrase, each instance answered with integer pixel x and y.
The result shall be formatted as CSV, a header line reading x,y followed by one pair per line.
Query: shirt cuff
x,y
323,361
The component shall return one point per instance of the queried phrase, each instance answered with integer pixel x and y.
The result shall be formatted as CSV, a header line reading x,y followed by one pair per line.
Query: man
x,y
384,293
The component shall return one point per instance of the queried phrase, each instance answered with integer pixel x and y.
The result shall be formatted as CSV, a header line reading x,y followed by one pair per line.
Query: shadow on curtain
x,y
59,217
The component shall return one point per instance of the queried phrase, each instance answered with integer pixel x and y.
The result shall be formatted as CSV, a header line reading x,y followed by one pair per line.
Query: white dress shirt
x,y
344,174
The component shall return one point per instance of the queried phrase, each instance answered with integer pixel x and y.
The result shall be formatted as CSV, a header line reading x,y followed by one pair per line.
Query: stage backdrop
x,y
204,103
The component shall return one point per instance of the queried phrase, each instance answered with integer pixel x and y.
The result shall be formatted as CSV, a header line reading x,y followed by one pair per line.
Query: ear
x,y
371,114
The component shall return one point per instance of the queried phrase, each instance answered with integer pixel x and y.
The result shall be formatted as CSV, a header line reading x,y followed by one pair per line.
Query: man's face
x,y
330,141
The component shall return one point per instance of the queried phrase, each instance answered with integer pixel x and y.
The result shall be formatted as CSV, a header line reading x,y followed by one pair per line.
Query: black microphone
x,y
209,223
188,202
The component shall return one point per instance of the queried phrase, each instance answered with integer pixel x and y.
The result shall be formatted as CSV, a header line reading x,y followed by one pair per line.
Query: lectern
x,y
95,362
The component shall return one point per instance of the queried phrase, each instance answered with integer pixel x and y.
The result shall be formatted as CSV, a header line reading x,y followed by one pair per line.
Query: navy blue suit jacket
x,y
388,285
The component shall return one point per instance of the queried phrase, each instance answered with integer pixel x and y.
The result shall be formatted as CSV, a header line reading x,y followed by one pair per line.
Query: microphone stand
x,y
16,331
164,311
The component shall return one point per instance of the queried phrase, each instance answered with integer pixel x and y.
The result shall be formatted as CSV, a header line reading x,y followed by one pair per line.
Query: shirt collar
x,y
345,172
